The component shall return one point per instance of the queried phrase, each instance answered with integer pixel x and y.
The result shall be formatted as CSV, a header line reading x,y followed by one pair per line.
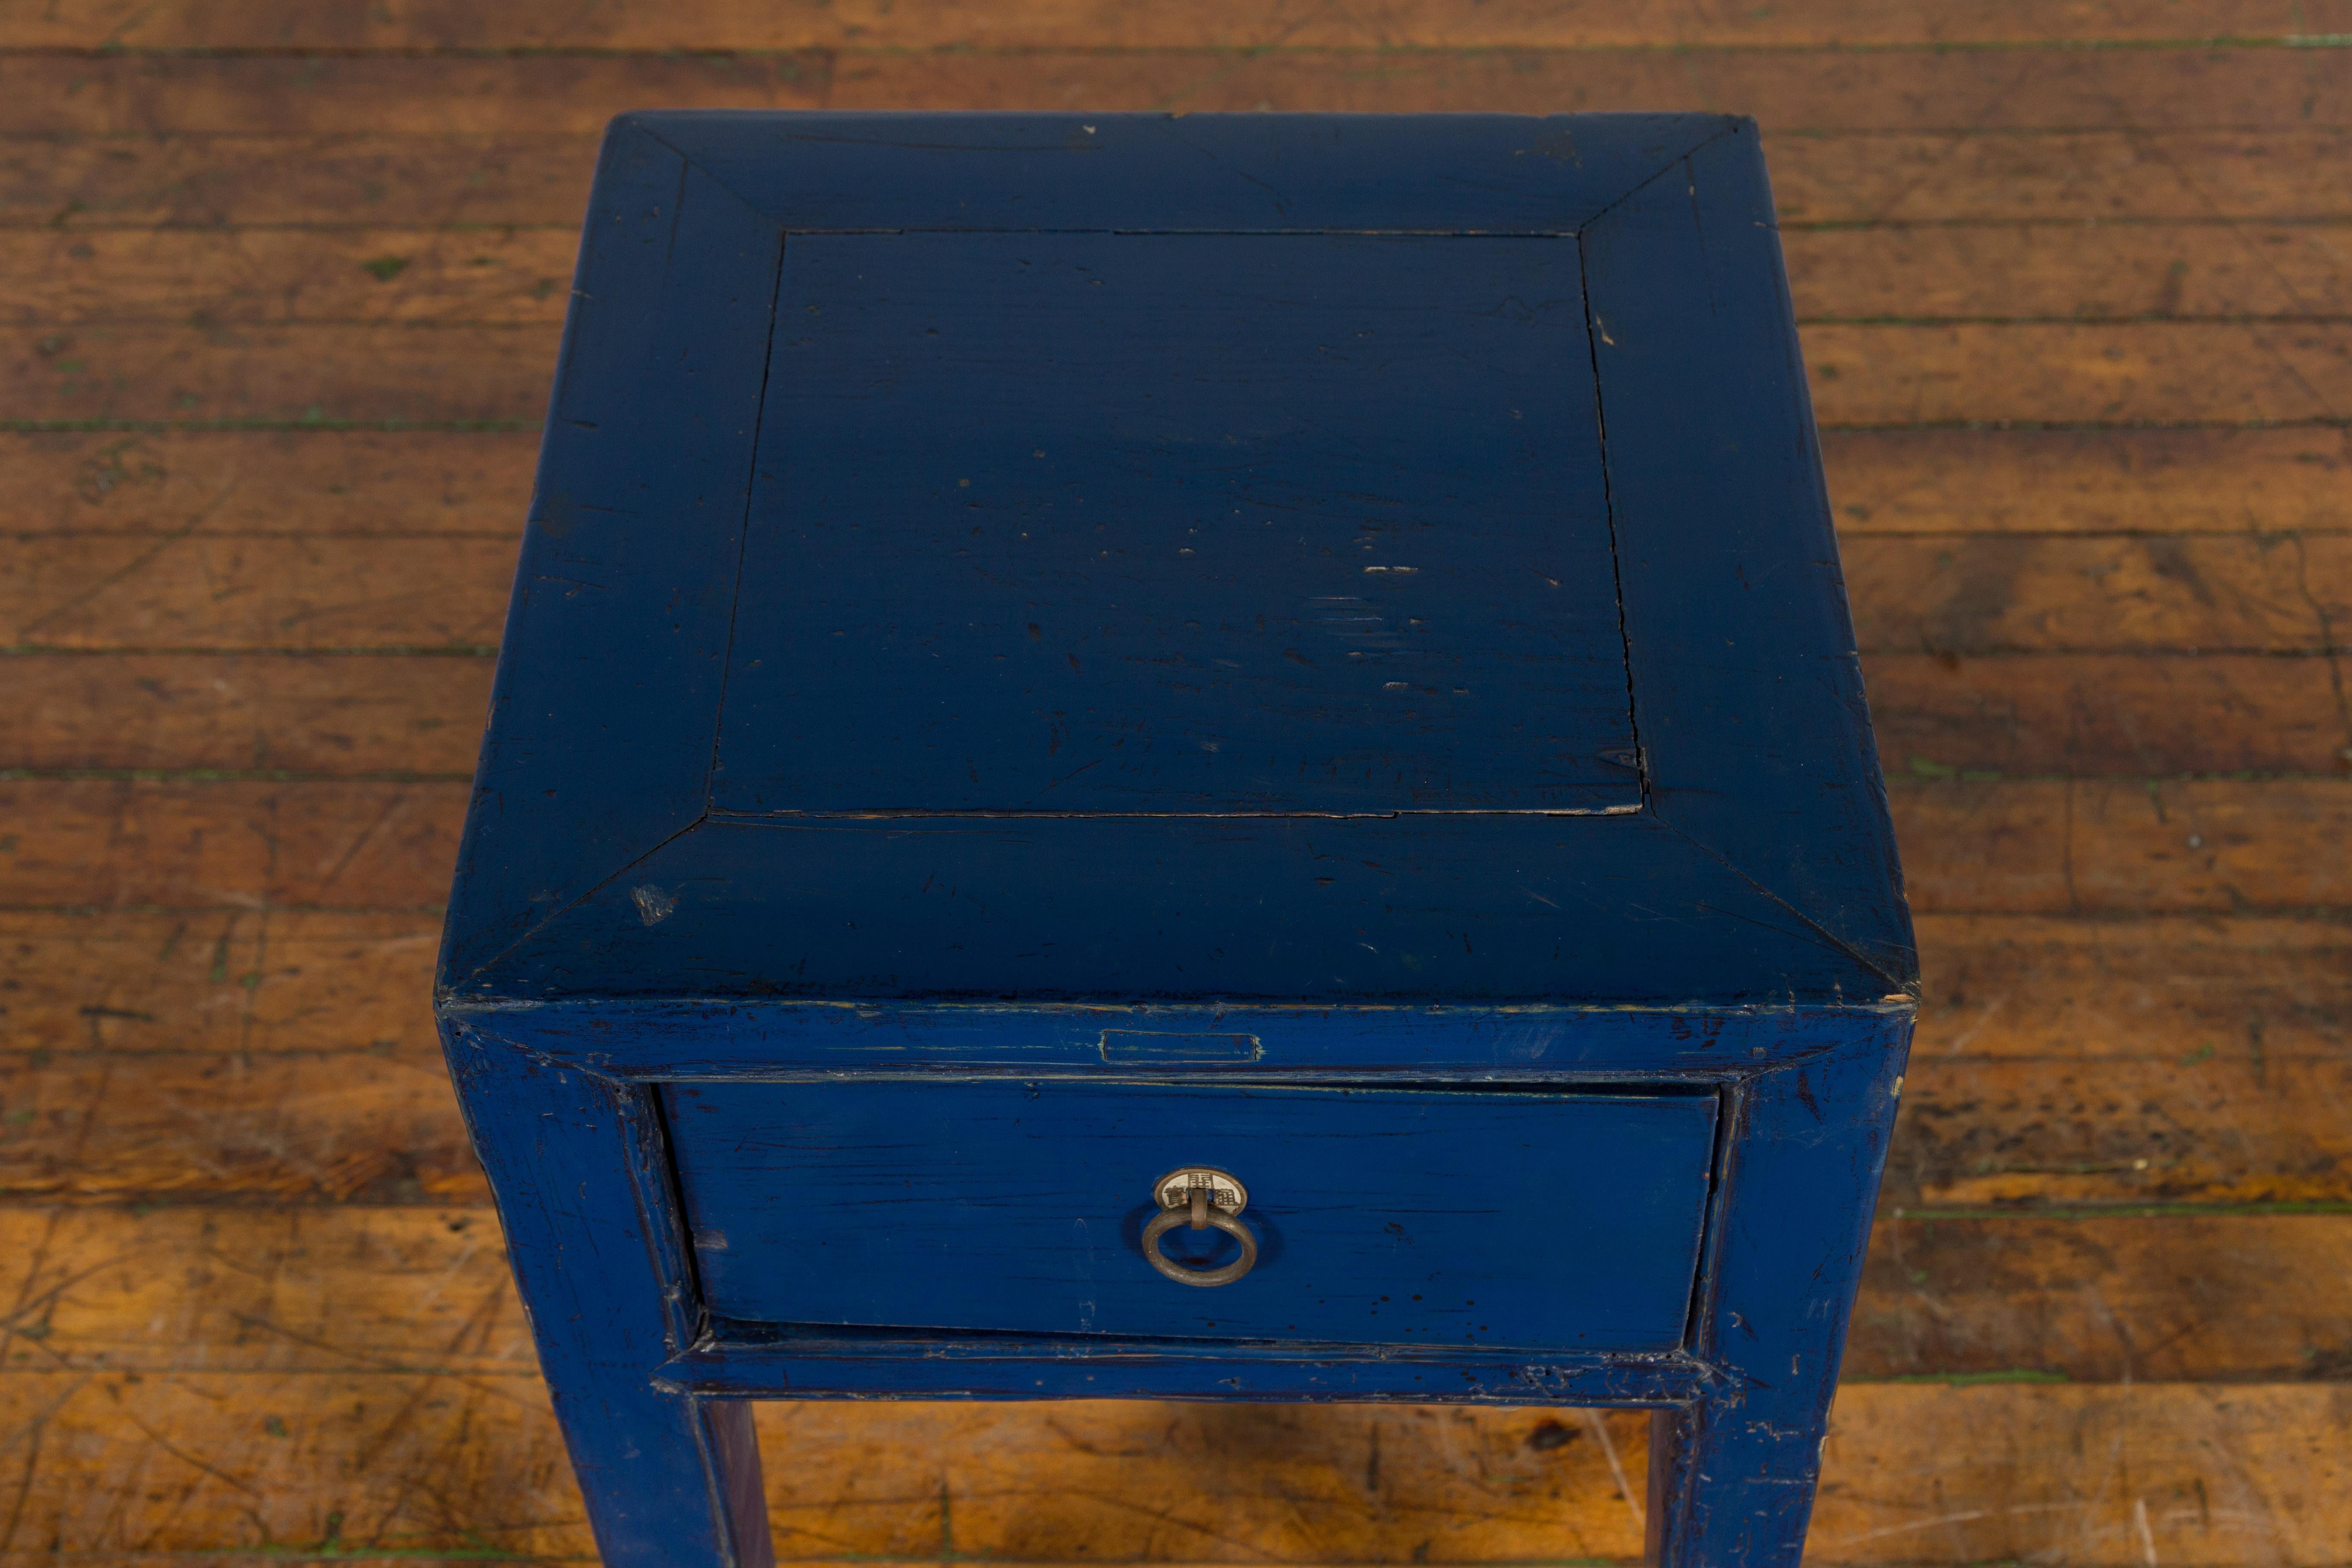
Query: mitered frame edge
x,y
1712,461
602,714
618,186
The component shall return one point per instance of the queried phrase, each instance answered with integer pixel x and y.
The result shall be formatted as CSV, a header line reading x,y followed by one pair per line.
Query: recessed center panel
x,y
1189,523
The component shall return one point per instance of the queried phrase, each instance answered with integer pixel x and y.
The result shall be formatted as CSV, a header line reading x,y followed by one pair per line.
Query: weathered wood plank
x,y
333,715
1040,1483
2020,271
133,1462
2089,481
140,182
473,374
281,1128
445,592
2066,1062
1997,986
1789,92
317,482
277,93
2049,372
2081,715
344,1122
2096,846
2259,593
2045,847
358,1289
76,844
2215,1125
349,1289
277,275
248,982
2105,175
2248,1474
2182,1473
92,981
2093,715
1865,374
290,1126
2164,989
391,180
2182,1297
1229,23
284,276
1883,481
2247,592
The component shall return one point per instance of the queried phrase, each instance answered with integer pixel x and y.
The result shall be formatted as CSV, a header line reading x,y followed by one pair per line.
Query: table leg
x,y
583,1188
1732,1476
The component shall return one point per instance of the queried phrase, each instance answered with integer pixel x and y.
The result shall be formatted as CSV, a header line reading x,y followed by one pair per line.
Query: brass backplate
x,y
1174,1190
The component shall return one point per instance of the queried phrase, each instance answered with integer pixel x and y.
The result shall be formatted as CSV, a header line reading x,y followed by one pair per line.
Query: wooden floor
x,y
279,288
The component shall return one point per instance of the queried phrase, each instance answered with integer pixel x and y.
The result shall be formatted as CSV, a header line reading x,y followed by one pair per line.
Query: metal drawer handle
x,y
1203,1199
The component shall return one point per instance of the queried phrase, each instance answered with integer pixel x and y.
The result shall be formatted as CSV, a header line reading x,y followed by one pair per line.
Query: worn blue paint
x,y
576,1161
710,1039
1049,647
751,1358
1428,1216
598,740
1198,556
1732,1475
1291,174
1494,908
1745,684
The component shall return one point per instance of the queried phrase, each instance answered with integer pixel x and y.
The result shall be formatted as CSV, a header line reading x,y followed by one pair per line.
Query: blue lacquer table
x,y
1209,757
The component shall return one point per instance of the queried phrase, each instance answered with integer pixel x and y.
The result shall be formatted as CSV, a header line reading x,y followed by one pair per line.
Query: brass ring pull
x,y
1200,1199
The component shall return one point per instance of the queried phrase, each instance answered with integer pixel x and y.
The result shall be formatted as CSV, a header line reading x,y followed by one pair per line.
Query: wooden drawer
x,y
1567,1220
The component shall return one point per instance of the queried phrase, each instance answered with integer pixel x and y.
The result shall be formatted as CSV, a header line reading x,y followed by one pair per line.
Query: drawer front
x,y
1382,1216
